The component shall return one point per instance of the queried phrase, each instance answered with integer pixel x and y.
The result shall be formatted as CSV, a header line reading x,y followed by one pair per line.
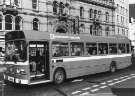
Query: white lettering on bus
x,y
52,36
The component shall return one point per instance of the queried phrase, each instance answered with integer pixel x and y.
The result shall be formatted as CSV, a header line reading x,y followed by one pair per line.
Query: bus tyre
x,y
112,68
59,76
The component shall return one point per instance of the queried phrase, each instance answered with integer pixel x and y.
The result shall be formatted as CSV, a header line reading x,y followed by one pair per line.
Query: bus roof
x,y
38,36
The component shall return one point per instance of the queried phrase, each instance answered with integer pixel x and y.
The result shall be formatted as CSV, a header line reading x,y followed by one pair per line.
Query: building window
x,y
100,31
61,8
66,9
118,7
8,22
34,4
81,12
95,14
117,18
91,13
107,17
118,30
82,28
35,24
99,15
0,22
107,31
91,29
55,7
123,31
18,23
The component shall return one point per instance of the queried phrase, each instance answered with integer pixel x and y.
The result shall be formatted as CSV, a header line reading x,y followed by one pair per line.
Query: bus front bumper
x,y
15,80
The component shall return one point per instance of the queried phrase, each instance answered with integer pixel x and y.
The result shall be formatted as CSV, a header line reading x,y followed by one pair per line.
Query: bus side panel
x,y
90,66
86,67
123,62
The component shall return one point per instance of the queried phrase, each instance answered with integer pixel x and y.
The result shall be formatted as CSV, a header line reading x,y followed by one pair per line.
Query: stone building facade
x,y
91,17
122,17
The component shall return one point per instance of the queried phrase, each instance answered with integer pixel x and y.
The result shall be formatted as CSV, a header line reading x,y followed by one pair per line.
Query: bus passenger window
x,y
103,48
128,48
121,48
60,49
91,48
112,48
77,49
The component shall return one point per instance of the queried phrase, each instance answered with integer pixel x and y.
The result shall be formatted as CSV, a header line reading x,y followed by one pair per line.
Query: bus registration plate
x,y
11,79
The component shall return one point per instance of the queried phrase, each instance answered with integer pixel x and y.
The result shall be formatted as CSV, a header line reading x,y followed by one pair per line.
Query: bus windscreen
x,y
14,35
16,51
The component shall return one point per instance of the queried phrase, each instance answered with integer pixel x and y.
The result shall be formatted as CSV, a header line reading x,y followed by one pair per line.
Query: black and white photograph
x,y
67,47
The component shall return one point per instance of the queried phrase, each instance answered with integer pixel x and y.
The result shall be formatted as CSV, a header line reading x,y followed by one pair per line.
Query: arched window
x,y
91,13
61,29
81,12
8,22
123,31
55,7
82,28
107,31
0,22
100,31
35,24
18,23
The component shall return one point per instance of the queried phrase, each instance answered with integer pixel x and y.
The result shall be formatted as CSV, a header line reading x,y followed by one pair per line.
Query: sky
x,y
131,1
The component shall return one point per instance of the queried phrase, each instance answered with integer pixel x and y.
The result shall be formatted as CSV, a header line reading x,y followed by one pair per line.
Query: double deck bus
x,y
37,57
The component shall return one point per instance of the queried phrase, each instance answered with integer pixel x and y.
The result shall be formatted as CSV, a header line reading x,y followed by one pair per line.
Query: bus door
x,y
39,60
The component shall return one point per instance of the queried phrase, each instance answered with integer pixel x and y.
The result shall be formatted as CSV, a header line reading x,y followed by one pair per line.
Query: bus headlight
x,y
20,71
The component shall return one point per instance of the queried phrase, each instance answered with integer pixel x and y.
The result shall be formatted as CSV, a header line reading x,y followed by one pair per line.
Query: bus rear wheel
x,y
113,67
59,76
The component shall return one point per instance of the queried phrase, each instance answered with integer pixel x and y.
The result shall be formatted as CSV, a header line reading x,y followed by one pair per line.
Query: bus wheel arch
x,y
113,67
59,75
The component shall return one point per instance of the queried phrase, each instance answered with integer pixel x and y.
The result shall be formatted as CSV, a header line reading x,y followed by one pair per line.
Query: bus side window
x,y
60,49
127,47
112,48
77,49
91,48
122,48
103,48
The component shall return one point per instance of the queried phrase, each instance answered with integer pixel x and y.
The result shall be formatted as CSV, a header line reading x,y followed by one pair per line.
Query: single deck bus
x,y
34,57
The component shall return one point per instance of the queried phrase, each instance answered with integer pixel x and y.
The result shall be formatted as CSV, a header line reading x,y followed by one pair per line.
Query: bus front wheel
x,y
59,76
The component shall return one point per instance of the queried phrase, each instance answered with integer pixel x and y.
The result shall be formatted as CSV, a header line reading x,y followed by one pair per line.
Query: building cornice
x,y
106,5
